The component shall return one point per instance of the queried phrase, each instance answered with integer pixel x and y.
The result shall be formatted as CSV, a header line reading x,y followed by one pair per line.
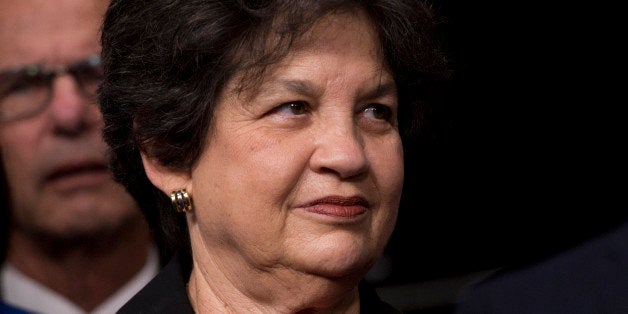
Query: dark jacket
x,y
166,293
589,279
10,309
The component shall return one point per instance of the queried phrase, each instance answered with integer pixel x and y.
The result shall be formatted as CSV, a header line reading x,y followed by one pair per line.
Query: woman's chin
x,y
338,263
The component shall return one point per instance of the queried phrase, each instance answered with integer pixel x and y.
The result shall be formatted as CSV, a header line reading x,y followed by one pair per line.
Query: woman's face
x,y
305,172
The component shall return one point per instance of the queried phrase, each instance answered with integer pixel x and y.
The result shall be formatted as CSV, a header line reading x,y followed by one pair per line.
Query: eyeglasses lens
x,y
88,75
22,92
27,91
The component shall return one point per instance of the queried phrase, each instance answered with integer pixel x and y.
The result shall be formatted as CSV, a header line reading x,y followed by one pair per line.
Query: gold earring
x,y
181,200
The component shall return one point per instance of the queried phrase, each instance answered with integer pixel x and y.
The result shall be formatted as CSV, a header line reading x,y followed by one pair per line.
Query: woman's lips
x,y
338,206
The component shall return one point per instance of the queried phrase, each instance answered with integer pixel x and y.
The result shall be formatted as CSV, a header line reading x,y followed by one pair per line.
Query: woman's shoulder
x,y
166,293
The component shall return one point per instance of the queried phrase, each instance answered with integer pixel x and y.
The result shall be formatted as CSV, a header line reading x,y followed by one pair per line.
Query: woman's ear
x,y
164,178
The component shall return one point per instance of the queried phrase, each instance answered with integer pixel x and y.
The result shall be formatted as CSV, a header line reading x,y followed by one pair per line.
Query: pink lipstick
x,y
338,206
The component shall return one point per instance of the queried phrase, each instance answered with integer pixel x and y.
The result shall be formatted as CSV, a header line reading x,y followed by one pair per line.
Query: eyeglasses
x,y
26,91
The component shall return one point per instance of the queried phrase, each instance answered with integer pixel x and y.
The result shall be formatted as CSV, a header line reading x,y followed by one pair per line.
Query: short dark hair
x,y
166,62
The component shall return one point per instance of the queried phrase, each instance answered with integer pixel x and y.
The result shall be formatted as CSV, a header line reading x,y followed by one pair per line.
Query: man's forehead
x,y
40,37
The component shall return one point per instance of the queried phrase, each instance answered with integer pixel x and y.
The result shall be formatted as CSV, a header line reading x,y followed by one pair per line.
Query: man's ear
x,y
164,178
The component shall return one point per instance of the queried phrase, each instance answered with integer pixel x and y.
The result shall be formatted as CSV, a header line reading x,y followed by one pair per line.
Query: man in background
x,y
76,242
589,278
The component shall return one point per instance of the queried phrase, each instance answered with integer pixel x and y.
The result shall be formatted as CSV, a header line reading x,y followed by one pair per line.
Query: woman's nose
x,y
340,150
70,110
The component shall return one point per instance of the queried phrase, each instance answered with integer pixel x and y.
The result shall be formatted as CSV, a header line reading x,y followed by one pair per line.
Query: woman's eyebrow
x,y
296,86
274,87
306,88
388,88
302,87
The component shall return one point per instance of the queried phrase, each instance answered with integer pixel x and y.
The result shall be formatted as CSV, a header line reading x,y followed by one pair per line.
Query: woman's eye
x,y
378,112
294,107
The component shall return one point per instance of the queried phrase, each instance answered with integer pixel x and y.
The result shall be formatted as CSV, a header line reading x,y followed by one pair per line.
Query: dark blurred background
x,y
525,158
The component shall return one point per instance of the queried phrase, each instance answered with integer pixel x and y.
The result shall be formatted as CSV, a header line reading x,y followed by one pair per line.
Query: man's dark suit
x,y
591,278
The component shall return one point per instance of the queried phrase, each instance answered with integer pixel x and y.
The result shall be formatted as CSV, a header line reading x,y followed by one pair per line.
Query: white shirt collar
x,y
25,293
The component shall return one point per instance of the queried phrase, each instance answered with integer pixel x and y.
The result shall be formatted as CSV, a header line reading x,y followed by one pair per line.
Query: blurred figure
x,y
588,279
76,241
